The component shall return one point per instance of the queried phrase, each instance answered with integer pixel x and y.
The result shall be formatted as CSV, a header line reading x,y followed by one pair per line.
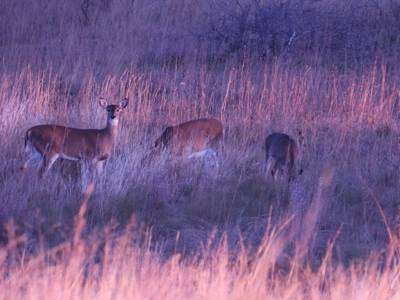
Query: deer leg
x,y
47,162
99,167
214,156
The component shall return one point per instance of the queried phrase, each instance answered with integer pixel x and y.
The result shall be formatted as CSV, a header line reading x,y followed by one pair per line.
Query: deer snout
x,y
112,117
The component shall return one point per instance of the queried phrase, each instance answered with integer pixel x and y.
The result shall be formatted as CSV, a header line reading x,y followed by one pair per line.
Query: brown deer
x,y
281,153
194,138
49,142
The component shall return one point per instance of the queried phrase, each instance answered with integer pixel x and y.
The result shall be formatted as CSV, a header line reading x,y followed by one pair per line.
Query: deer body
x,y
194,138
281,152
49,142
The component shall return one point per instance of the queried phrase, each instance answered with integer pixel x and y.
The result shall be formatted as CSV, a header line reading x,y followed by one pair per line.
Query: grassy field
x,y
181,229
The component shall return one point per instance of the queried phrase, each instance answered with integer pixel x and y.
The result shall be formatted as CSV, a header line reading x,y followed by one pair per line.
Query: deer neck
x,y
111,130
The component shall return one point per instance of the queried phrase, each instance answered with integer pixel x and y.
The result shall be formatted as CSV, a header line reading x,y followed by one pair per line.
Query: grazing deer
x,y
194,138
281,153
49,142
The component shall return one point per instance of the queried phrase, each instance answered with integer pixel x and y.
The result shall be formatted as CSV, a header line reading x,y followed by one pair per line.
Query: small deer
x,y
49,142
281,153
194,138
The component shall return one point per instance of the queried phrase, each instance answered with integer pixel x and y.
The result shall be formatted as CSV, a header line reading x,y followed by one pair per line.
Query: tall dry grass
x,y
173,228
106,266
347,195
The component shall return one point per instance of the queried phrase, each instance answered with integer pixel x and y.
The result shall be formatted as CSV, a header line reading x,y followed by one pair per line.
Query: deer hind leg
x,y
47,162
100,167
213,154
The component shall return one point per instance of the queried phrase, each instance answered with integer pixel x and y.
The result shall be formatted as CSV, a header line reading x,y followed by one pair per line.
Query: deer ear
x,y
123,103
103,103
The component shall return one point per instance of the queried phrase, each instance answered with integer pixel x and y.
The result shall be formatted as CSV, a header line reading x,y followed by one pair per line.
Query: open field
x,y
181,229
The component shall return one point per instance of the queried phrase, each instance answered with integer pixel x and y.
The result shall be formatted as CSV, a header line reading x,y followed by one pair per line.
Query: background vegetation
x,y
176,228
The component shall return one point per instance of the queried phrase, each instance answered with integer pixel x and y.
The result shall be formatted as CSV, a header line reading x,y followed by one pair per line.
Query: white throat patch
x,y
113,122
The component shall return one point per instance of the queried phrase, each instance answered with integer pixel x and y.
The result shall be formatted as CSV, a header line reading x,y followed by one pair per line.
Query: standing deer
x,y
194,138
281,153
49,142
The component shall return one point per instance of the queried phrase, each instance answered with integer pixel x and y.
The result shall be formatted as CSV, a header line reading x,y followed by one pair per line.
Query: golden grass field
x,y
178,229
